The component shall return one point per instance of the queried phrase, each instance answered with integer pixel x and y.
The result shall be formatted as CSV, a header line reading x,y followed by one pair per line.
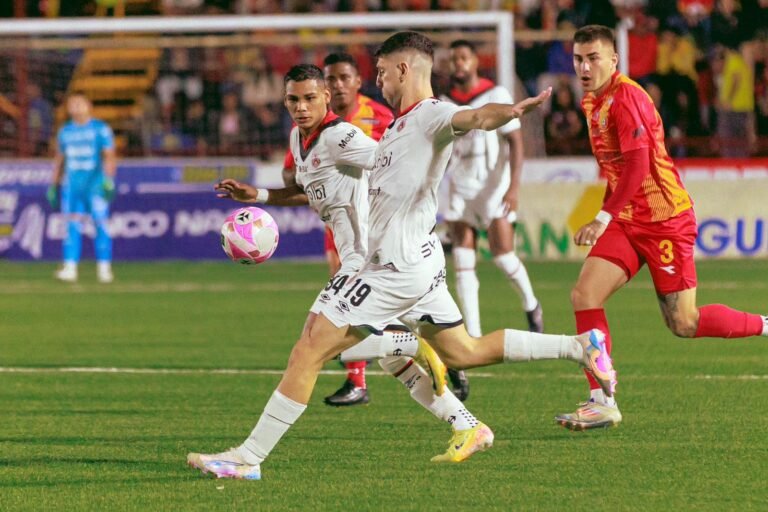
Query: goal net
x,y
203,86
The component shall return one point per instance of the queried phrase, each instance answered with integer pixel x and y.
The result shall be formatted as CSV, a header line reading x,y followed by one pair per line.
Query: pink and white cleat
x,y
225,465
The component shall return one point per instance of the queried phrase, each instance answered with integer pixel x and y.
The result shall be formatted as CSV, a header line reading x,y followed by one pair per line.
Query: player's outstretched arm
x,y
493,115
244,193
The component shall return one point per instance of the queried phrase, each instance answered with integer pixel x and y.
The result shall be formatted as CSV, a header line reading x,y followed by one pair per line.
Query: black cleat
x,y
459,383
348,394
535,319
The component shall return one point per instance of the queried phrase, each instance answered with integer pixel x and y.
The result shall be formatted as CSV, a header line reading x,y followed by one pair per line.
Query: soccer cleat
x,y
348,394
590,415
66,274
225,465
104,275
427,358
535,319
597,360
464,443
460,383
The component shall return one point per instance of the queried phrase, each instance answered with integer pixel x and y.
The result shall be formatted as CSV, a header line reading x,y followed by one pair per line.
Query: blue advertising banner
x,y
148,226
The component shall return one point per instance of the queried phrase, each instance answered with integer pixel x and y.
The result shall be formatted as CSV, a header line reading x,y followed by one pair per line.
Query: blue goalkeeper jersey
x,y
82,146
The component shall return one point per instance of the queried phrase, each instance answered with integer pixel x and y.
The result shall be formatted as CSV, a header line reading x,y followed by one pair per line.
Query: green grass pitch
x,y
693,437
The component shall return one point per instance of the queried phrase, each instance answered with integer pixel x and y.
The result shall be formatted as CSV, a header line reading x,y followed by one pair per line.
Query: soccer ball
x,y
249,236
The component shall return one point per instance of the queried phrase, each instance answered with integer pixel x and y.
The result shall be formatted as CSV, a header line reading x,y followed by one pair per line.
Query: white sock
x,y
467,288
279,414
376,346
765,325
104,266
522,346
511,265
416,380
597,396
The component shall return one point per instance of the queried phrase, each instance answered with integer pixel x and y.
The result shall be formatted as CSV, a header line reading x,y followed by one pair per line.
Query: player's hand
x,y
589,233
108,188
509,201
232,189
530,104
52,196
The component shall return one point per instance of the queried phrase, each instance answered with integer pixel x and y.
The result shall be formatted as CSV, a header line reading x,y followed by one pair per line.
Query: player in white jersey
x,y
484,173
329,156
404,275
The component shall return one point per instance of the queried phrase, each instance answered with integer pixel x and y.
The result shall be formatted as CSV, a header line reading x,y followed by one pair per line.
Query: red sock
x,y
356,373
593,319
718,321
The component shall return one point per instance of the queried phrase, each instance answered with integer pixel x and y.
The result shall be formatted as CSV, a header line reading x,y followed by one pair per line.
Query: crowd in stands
x,y
703,62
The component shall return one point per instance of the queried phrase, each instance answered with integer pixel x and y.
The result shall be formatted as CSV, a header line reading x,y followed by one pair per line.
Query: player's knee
x,y
306,353
683,326
579,297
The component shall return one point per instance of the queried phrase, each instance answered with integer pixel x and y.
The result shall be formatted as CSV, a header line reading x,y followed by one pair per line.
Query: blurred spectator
x,y
676,54
565,124
39,120
232,126
735,103
260,85
761,97
179,84
728,28
530,57
643,48
196,126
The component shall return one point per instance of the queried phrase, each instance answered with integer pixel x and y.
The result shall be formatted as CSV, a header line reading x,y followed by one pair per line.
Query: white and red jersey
x,y
329,167
480,159
410,163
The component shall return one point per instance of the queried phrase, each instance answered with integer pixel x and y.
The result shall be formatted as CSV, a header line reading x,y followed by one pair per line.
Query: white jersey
x,y
410,163
330,170
480,159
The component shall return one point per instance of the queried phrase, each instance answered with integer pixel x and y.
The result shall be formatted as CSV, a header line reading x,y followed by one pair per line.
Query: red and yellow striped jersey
x,y
623,118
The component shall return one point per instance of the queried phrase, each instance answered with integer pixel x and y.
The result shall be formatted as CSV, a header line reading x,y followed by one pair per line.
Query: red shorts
x,y
329,245
666,246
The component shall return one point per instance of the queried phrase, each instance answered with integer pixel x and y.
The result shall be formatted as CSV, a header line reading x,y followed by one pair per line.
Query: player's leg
x,y
669,252
463,238
320,341
469,434
598,280
73,208
99,208
501,237
354,391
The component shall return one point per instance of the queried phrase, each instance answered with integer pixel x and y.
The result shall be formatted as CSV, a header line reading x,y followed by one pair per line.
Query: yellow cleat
x,y
464,443
427,358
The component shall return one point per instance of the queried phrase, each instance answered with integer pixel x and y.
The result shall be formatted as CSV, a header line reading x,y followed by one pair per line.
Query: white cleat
x,y
66,274
105,275
590,415
225,465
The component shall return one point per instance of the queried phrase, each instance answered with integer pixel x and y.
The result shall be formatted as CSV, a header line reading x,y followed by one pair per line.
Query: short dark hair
x,y
590,33
407,41
463,43
302,72
340,57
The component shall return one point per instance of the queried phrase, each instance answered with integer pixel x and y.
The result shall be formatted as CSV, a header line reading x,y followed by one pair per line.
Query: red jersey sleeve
x,y
631,111
384,118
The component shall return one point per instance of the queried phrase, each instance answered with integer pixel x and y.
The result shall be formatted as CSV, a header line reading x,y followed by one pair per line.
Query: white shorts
x,y
377,296
477,209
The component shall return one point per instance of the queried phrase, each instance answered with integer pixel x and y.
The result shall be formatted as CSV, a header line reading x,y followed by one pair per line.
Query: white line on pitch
x,y
46,288
377,373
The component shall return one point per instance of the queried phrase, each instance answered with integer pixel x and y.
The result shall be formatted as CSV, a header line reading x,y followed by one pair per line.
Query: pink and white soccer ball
x,y
249,235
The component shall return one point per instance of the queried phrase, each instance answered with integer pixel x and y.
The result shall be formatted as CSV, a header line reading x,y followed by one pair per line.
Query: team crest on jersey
x,y
315,161
401,125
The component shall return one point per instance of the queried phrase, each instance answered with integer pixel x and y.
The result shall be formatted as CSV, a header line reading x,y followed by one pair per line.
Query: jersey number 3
x,y
667,254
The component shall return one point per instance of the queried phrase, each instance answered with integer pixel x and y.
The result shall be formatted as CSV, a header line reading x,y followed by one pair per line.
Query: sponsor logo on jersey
x,y
347,138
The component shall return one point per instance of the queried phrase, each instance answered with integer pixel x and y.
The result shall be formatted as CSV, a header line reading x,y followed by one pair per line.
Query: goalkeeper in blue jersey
x,y
83,185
